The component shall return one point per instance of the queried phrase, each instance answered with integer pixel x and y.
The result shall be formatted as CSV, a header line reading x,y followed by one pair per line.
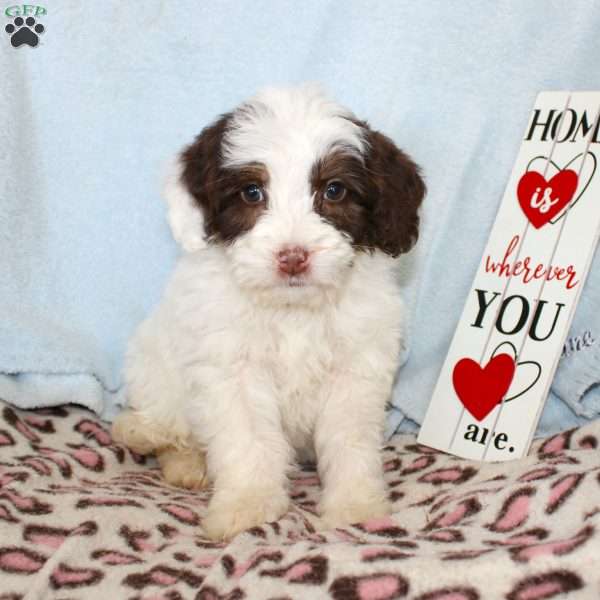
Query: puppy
x,y
279,332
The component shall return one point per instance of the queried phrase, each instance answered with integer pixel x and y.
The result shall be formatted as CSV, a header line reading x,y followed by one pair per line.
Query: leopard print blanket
x,y
81,517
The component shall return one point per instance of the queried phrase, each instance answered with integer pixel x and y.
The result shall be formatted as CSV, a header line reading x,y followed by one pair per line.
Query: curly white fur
x,y
254,371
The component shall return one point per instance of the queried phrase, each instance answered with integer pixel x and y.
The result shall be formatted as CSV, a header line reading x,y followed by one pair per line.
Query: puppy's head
x,y
292,186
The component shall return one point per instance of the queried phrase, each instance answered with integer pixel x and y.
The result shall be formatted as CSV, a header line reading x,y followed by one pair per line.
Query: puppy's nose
x,y
293,261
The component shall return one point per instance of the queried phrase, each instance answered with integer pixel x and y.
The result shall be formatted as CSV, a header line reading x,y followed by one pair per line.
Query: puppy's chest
x,y
297,350
300,353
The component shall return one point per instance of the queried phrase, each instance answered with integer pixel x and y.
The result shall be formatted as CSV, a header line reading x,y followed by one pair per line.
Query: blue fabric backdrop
x,y
114,89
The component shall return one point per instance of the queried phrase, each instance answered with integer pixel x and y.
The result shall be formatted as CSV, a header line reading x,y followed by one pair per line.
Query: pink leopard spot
x,y
65,576
181,513
524,539
562,489
311,569
117,558
8,478
374,525
25,504
544,549
382,553
297,572
516,515
6,516
52,541
449,475
514,512
107,501
378,587
92,429
556,444
419,464
453,517
6,439
444,536
391,465
546,585
87,457
162,578
22,428
589,442
541,590
557,548
541,473
205,561
15,560
38,465
147,546
256,558
34,421
341,534
374,551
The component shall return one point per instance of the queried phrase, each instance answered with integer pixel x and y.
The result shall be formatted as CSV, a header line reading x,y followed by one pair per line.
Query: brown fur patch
x,y
351,214
380,208
217,190
400,191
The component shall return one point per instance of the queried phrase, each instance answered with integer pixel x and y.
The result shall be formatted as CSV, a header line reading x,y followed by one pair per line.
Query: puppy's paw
x,y
129,430
184,468
358,505
234,512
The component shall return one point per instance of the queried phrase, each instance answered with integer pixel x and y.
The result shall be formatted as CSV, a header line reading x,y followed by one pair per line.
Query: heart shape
x,y
481,389
587,169
542,200
527,374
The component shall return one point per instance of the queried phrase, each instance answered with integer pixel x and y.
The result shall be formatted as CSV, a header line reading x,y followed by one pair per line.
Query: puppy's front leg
x,y
248,459
348,440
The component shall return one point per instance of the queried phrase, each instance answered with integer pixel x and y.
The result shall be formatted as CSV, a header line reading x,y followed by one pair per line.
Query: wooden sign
x,y
500,365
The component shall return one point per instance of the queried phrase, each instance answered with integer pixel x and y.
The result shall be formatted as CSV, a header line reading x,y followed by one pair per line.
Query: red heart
x,y
480,390
532,189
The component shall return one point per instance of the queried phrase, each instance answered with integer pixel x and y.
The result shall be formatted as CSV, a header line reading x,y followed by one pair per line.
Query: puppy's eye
x,y
335,191
253,194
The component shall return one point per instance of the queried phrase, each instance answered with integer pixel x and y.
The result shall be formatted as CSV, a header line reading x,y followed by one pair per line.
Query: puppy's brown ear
x,y
194,186
399,190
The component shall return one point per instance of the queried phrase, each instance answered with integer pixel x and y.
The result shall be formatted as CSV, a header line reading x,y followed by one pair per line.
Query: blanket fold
x,y
83,517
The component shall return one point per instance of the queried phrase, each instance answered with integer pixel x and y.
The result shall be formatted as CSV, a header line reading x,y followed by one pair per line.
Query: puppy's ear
x,y
191,187
399,191
184,215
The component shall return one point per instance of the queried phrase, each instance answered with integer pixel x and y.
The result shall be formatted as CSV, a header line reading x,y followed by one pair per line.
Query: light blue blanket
x,y
114,89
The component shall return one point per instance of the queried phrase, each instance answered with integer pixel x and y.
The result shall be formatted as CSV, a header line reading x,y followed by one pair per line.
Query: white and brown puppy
x,y
279,332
